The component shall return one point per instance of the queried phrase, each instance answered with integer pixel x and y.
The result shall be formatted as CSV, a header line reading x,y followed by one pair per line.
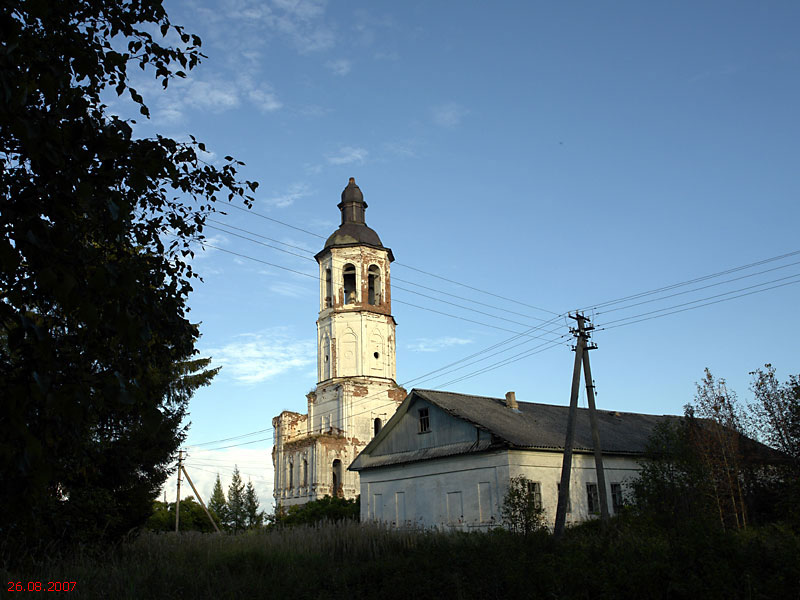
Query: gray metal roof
x,y
544,426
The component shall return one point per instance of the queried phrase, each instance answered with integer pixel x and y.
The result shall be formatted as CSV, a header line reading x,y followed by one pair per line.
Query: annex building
x,y
445,460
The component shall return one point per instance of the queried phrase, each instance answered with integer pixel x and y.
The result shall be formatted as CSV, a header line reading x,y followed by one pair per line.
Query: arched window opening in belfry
x,y
349,277
337,479
374,274
328,288
376,426
291,475
305,472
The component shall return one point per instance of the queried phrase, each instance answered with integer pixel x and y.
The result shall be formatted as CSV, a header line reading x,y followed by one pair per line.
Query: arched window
x,y
305,472
374,274
349,279
328,289
376,426
337,479
291,475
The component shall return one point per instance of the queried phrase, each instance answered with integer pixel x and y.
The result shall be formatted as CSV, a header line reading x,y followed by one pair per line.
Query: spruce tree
x,y
236,515
255,517
217,504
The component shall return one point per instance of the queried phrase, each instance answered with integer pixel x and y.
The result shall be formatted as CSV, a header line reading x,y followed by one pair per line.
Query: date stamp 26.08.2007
x,y
41,586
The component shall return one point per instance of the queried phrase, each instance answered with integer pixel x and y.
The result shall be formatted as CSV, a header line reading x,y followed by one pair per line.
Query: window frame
x,y
535,489
424,423
592,498
617,498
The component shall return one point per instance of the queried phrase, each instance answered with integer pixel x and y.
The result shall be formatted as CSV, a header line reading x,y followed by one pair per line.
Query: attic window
x,y
424,421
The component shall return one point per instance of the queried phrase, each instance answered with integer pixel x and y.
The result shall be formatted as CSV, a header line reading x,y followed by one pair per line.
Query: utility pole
x,y
178,501
582,347
598,451
203,504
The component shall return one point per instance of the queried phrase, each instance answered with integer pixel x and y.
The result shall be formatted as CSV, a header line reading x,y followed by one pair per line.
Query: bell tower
x,y
356,392
356,330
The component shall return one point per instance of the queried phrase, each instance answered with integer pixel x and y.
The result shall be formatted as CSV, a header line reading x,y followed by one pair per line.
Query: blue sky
x,y
556,154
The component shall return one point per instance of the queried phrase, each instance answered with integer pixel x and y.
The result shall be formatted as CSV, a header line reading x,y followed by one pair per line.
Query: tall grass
x,y
349,560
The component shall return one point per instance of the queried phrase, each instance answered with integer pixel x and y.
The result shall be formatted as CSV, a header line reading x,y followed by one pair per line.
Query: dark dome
x,y
353,230
353,233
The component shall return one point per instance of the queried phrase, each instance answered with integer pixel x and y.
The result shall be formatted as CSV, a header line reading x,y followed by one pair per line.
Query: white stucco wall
x,y
467,491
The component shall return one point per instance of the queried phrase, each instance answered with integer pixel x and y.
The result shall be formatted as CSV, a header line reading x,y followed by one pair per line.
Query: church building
x,y
356,392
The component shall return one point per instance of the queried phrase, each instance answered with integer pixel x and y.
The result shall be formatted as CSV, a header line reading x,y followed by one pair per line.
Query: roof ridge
x,y
501,400
456,394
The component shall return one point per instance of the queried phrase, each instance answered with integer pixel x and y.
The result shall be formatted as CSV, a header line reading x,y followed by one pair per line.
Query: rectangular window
x,y
569,500
616,497
593,498
424,421
455,508
485,501
535,493
377,507
400,508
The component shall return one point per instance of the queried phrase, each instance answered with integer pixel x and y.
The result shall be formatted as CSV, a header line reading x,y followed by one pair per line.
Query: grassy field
x,y
349,560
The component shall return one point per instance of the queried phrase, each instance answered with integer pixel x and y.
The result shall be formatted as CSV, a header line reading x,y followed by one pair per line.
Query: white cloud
x,y
213,96
402,149
435,345
340,66
256,357
296,191
449,115
264,100
291,290
203,465
348,155
204,250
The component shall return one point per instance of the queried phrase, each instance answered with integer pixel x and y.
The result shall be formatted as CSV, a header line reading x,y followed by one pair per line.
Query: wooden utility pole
x,y
598,451
178,501
203,504
566,464
582,348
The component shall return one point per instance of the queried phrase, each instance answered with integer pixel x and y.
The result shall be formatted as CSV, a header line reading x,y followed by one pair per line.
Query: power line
x,y
610,325
691,281
691,307
252,212
263,216
476,289
316,277
423,377
699,288
710,297
395,278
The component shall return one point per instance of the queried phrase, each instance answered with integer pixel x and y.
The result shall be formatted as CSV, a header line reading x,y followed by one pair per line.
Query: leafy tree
x,y
255,517
673,487
92,298
776,413
716,425
326,508
217,504
193,517
237,511
522,510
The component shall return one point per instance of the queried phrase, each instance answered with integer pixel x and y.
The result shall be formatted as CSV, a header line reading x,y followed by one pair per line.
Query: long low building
x,y
446,460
